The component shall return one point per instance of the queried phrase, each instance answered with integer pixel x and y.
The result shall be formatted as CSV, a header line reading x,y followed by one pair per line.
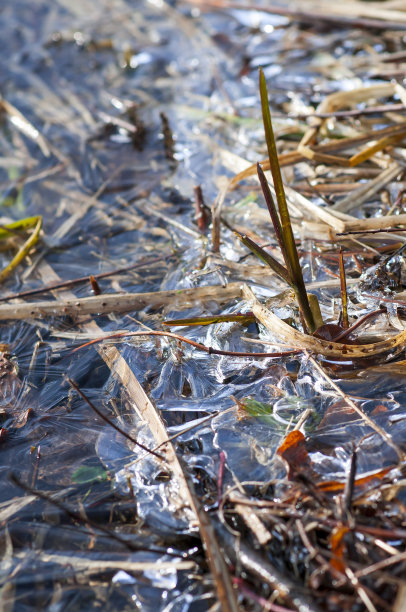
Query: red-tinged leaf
x,y
334,332
334,486
328,331
379,409
293,451
22,418
338,413
338,547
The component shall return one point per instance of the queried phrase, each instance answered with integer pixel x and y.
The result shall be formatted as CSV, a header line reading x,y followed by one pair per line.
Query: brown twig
x,y
201,347
79,280
201,216
113,425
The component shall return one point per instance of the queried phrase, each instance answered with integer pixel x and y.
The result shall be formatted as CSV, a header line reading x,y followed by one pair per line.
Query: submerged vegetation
x,y
255,459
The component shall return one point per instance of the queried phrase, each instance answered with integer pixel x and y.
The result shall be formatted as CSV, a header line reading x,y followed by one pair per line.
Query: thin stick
x,y
357,409
80,279
301,12
113,425
197,345
374,231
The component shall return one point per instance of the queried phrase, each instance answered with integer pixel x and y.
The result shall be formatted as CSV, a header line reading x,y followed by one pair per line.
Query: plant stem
x,y
292,263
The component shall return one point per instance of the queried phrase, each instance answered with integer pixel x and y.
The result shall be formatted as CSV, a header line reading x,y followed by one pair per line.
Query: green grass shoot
x,y
283,229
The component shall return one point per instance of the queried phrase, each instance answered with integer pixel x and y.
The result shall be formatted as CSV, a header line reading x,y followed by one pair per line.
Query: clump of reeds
x,y
291,272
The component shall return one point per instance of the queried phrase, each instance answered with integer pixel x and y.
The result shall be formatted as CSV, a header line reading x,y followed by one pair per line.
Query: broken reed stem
x,y
201,216
119,302
292,262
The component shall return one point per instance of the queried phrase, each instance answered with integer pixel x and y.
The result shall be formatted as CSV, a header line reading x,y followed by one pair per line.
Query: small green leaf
x,y
87,473
255,408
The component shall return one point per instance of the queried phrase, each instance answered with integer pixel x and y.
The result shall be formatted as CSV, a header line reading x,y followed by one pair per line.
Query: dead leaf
x,y
338,547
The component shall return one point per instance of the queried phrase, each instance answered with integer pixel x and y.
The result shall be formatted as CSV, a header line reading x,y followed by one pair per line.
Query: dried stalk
x,y
334,350
119,302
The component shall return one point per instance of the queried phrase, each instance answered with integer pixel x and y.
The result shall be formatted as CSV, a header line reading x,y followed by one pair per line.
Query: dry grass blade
x,y
360,195
335,350
22,124
84,564
9,508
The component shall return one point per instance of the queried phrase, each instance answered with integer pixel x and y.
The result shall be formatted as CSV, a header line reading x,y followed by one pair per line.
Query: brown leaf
x,y
293,451
338,413
338,547
22,418
334,486
379,409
